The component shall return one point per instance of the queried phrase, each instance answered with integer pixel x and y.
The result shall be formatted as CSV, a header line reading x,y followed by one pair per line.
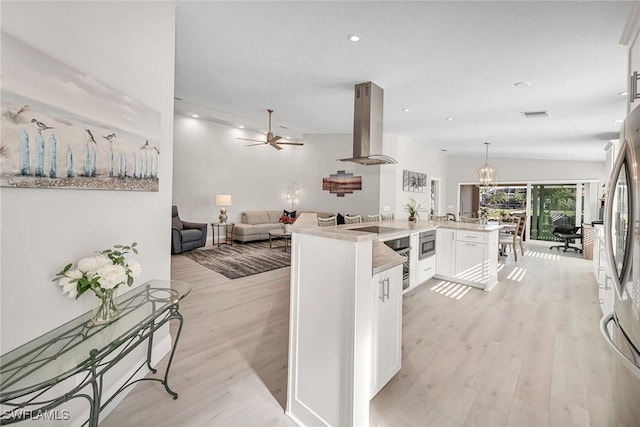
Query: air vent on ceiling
x,y
534,114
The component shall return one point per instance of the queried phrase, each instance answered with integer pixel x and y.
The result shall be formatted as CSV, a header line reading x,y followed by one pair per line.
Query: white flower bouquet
x,y
101,273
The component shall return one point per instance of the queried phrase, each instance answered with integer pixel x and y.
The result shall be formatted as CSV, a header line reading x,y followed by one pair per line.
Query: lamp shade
x,y
223,200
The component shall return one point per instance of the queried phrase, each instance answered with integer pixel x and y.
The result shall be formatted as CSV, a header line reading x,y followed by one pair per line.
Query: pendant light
x,y
486,177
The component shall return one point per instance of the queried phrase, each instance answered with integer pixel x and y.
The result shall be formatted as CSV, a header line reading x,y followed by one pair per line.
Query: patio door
x,y
552,201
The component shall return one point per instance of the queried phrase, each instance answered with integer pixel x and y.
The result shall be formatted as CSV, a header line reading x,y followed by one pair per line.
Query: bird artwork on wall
x,y
69,141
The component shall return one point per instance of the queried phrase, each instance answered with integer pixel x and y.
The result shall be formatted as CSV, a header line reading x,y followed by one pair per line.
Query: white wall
x,y
461,170
209,160
129,46
416,157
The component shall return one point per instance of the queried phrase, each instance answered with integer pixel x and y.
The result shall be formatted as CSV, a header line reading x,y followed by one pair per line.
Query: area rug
x,y
241,260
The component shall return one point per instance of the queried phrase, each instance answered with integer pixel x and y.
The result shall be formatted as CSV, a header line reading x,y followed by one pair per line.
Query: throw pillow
x,y
340,219
291,214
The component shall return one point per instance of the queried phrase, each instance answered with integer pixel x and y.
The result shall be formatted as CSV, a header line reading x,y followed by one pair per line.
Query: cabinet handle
x,y
427,269
382,290
471,237
471,244
386,294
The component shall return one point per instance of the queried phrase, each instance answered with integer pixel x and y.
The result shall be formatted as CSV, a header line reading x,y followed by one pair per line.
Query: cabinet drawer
x,y
426,269
471,236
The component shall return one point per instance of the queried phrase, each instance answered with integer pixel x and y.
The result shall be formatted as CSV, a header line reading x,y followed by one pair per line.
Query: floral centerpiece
x,y
102,274
287,220
414,209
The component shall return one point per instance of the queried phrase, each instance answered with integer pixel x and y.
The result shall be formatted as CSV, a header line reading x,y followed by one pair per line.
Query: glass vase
x,y
108,311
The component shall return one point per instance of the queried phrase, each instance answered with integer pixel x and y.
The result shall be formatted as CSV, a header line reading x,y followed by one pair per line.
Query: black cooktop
x,y
376,229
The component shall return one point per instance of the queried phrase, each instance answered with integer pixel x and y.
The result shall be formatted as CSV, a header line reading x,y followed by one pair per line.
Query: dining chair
x,y
522,225
373,218
327,222
387,217
354,219
439,218
512,239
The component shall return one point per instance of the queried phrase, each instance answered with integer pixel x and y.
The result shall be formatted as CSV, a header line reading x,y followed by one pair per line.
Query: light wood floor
x,y
526,354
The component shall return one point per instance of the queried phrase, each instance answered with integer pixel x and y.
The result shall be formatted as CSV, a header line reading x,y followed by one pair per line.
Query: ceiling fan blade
x,y
252,145
254,140
274,139
276,146
290,143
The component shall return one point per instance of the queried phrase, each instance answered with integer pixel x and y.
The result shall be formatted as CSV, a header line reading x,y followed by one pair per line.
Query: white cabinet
x,y
602,271
446,252
413,261
426,269
470,261
468,257
386,327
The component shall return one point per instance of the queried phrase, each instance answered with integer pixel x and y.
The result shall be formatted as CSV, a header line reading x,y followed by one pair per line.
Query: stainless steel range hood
x,y
367,126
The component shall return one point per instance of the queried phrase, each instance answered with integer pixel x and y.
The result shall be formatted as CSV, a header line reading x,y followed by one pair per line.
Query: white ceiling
x,y
439,59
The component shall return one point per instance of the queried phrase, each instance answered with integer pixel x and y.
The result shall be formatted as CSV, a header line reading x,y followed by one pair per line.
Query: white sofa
x,y
256,225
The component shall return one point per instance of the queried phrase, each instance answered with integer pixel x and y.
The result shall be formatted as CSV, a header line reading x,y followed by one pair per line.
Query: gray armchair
x,y
186,236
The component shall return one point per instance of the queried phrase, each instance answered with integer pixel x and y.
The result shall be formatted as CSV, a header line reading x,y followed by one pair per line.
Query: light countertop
x,y
403,227
384,257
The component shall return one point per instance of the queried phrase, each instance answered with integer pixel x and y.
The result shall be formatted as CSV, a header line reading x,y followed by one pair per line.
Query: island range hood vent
x,y
367,126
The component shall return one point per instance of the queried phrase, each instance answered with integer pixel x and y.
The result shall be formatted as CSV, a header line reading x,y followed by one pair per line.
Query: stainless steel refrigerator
x,y
621,328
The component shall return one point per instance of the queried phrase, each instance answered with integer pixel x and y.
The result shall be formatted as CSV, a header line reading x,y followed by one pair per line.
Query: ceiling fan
x,y
271,139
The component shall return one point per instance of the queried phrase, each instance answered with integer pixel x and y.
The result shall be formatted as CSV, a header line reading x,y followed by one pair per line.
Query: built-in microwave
x,y
427,244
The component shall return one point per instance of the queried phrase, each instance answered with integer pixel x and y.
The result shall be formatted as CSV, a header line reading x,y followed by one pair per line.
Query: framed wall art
x,y
61,128
342,183
414,182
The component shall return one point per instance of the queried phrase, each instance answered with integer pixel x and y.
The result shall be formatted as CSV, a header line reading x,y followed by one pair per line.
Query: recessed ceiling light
x,y
241,127
195,116
618,121
522,84
449,119
353,37
406,110
287,137
624,93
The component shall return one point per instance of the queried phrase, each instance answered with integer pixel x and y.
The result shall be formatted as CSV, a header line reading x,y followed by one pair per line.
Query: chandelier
x,y
486,177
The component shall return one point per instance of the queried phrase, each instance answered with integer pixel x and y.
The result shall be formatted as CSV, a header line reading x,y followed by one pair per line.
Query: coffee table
x,y
280,234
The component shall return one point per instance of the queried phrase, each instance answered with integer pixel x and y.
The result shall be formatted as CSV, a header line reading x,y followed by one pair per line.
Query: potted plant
x,y
414,209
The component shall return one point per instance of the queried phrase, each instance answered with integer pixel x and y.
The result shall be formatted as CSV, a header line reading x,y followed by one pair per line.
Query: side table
x,y
217,228
33,377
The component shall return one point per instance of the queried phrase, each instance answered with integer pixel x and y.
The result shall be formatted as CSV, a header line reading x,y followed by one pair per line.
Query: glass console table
x,y
70,361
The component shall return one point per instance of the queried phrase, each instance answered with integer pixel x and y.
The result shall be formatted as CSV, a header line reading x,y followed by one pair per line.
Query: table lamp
x,y
222,201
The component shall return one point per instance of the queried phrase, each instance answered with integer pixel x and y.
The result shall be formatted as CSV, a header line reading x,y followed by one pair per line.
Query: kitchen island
x,y
346,315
